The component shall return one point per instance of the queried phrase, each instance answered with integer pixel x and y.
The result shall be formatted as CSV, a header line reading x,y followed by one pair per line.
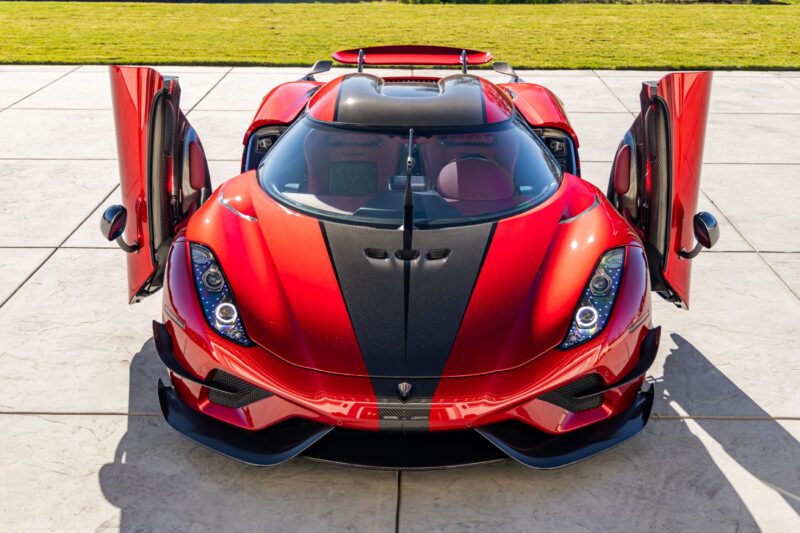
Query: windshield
x,y
359,175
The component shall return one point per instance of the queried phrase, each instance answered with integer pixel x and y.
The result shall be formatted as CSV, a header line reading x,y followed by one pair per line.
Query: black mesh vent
x,y
243,393
565,397
413,414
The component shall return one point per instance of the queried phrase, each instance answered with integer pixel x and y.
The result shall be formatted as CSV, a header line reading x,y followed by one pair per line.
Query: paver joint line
x,y
40,88
46,259
751,245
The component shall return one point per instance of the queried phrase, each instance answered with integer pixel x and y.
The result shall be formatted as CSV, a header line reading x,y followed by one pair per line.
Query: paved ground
x,y
82,446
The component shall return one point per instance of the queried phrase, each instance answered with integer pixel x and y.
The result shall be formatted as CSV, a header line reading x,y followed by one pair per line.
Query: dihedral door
x,y
164,175
655,179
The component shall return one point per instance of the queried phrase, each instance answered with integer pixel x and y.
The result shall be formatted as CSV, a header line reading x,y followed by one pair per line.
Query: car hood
x,y
309,293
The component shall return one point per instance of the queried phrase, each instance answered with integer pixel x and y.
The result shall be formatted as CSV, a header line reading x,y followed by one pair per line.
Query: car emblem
x,y
404,390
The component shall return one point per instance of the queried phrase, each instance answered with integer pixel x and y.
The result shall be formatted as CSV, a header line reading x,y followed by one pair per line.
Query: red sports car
x,y
410,271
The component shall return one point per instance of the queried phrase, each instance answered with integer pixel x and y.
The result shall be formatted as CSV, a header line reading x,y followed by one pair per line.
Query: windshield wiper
x,y
408,206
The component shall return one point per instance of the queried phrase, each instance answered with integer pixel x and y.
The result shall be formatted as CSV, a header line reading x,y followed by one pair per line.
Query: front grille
x,y
566,396
242,392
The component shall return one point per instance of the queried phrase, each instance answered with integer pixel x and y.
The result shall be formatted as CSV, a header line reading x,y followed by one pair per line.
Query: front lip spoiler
x,y
535,449
267,447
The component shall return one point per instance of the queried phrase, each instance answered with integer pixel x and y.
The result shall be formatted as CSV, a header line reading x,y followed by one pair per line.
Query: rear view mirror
x,y
706,232
318,68
505,68
112,225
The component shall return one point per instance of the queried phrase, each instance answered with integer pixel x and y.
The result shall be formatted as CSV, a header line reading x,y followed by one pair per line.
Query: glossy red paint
x,y
686,96
310,393
282,105
540,107
459,402
412,55
289,293
322,105
132,92
523,299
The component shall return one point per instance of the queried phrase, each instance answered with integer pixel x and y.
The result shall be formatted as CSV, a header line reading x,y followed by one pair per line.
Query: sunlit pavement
x,y
82,443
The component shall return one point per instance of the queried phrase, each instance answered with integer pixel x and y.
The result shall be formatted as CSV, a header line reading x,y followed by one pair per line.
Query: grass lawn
x,y
535,36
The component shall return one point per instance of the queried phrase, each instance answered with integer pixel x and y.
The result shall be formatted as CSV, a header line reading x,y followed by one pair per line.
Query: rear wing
x,y
412,54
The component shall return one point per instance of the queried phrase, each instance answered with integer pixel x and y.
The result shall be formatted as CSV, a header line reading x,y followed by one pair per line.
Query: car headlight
x,y
597,299
216,298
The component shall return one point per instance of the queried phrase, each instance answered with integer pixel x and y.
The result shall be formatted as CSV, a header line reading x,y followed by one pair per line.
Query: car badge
x,y
404,390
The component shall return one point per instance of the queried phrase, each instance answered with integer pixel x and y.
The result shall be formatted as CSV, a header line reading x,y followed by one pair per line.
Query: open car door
x,y
655,179
164,175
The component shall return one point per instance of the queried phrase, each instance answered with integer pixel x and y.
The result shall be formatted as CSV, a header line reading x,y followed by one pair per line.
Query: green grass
x,y
535,36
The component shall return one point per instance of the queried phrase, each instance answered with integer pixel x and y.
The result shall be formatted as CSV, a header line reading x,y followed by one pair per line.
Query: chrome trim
x,y
221,200
174,318
595,204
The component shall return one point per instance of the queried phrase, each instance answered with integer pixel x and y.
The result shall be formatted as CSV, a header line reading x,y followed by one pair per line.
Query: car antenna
x,y
463,61
408,206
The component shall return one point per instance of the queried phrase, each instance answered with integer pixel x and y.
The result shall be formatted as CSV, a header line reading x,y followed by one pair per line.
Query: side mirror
x,y
112,225
318,68
706,229
505,68
706,232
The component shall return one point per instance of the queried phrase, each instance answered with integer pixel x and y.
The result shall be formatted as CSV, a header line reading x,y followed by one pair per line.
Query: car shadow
x,y
664,478
760,445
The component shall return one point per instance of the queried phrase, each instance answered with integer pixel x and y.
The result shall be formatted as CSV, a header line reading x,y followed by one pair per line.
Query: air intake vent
x,y
242,393
566,396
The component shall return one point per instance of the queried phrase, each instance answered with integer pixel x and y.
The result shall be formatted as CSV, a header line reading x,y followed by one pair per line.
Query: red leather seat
x,y
477,186
323,150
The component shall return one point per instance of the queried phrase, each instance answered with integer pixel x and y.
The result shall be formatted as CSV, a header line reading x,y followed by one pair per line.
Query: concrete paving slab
x,y
16,85
44,201
747,195
735,352
599,133
754,95
70,329
62,134
676,476
222,132
582,94
627,88
532,75
788,268
92,90
88,234
242,91
16,264
751,138
89,473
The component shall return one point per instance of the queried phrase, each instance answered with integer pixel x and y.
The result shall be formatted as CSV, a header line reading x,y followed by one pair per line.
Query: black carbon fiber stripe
x,y
439,292
373,293
406,314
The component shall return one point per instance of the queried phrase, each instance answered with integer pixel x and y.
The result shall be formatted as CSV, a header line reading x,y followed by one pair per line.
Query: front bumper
x,y
413,450
319,439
